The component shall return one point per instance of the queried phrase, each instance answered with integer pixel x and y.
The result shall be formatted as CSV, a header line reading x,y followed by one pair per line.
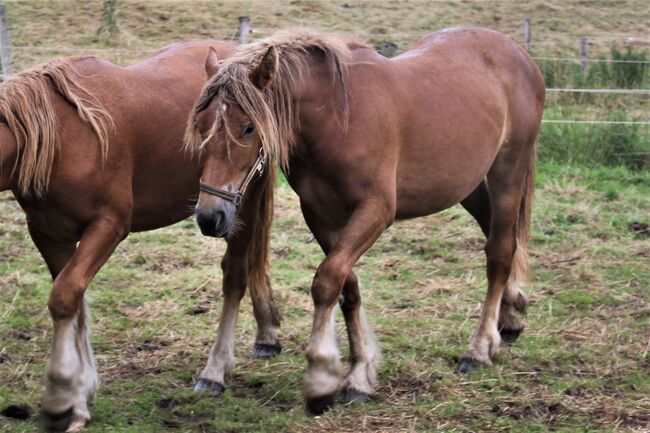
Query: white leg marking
x,y
72,373
323,375
222,355
486,341
363,375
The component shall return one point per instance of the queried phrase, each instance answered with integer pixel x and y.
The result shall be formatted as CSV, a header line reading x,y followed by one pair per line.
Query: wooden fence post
x,y
388,49
528,39
244,29
5,41
583,54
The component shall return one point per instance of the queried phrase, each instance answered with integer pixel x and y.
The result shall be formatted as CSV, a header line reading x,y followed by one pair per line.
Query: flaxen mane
x,y
274,110
28,112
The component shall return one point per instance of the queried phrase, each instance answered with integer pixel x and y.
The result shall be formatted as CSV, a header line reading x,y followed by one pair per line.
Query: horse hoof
x,y
56,422
318,405
266,351
467,365
351,396
510,335
209,386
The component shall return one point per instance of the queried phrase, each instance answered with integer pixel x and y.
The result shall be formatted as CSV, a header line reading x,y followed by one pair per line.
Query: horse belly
x,y
441,176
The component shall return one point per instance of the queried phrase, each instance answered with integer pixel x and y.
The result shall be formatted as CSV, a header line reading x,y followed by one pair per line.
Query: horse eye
x,y
248,130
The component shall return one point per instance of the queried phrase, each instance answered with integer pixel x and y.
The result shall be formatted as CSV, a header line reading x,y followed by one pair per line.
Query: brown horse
x,y
365,141
93,151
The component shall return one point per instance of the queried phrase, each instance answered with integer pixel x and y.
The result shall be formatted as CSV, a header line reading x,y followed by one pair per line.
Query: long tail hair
x,y
520,273
28,111
259,247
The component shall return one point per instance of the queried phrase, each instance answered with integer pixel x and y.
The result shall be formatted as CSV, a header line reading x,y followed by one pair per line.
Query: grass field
x,y
582,363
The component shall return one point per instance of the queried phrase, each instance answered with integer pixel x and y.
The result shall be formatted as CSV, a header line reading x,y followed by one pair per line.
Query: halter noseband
x,y
237,196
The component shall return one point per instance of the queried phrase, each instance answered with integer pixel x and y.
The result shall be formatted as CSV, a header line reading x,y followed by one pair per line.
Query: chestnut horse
x,y
365,141
93,151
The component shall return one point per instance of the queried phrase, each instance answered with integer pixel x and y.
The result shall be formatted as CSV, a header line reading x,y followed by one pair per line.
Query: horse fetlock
x,y
65,391
509,321
362,378
515,297
485,346
479,355
267,335
322,379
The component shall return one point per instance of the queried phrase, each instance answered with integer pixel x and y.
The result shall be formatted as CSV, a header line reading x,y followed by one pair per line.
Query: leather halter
x,y
237,196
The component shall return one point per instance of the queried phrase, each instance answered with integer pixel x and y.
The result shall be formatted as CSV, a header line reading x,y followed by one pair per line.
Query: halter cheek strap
x,y
236,197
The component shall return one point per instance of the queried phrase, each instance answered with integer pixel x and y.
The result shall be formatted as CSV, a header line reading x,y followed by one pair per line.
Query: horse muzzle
x,y
215,222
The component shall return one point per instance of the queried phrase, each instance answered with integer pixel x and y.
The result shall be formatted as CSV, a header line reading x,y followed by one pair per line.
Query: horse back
x,y
440,112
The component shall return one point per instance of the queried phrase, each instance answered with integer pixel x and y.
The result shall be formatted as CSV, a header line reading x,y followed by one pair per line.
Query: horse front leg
x,y
364,350
72,378
323,379
244,264
222,354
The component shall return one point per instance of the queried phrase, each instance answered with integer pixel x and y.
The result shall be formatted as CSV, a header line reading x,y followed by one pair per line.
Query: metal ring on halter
x,y
237,196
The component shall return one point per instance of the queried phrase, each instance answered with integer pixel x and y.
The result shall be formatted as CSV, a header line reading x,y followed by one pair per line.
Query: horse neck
x,y
320,99
8,155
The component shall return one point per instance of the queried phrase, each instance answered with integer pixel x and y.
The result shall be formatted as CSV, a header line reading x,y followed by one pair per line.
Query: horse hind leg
x,y
514,300
510,189
268,318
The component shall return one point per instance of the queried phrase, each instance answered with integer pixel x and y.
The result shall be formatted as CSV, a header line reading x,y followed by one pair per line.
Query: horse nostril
x,y
220,221
219,217
213,222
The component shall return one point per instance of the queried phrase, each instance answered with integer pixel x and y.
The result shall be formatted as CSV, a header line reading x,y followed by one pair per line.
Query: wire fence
x,y
617,91
596,122
237,35
588,60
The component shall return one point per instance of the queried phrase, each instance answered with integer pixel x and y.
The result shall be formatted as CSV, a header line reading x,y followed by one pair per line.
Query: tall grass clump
x,y
618,70
594,144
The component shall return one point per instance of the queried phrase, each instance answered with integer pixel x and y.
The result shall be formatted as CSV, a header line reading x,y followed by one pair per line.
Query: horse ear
x,y
212,62
264,72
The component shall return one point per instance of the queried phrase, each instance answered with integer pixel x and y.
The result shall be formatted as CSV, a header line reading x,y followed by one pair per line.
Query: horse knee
x,y
327,285
65,299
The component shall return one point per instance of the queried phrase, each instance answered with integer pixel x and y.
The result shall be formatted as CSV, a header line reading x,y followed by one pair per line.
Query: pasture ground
x,y
582,362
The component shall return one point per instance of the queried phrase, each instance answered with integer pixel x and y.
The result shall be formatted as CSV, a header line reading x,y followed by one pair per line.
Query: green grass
x,y
594,144
582,362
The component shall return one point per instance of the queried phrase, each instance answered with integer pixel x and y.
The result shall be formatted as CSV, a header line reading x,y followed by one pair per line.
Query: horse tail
x,y
520,273
28,111
259,247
